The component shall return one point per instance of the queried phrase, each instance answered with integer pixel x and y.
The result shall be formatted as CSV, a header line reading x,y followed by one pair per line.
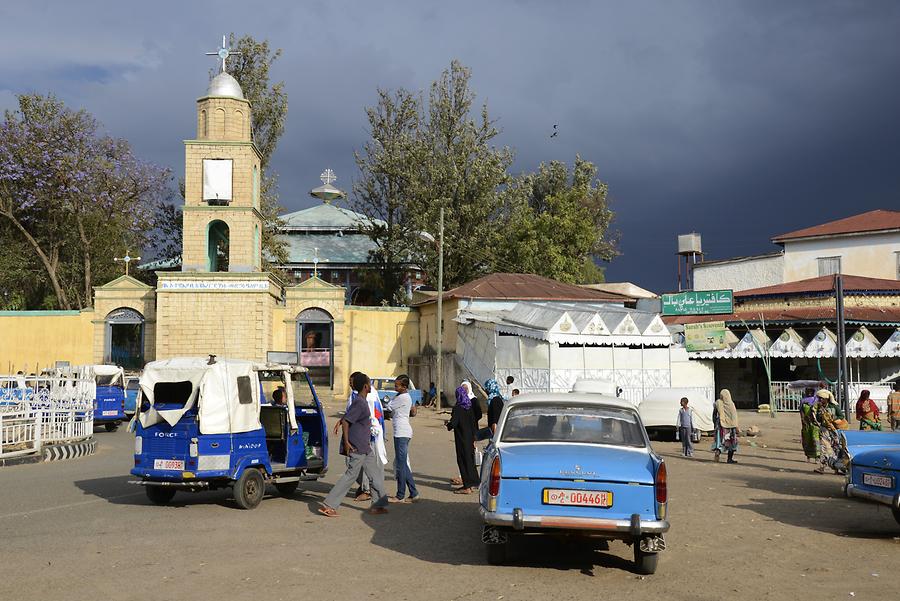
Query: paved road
x,y
764,529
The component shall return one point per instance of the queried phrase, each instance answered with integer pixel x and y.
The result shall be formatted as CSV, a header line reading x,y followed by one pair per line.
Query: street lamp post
x,y
440,300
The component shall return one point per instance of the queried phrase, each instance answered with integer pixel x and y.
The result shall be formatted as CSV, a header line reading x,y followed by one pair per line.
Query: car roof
x,y
584,398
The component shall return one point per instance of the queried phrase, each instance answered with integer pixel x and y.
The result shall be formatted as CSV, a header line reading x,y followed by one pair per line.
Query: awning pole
x,y
842,344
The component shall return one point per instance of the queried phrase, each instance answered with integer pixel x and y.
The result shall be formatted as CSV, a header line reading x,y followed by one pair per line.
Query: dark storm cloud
x,y
739,120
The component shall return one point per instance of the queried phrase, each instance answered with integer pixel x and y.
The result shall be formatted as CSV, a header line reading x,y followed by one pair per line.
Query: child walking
x,y
685,428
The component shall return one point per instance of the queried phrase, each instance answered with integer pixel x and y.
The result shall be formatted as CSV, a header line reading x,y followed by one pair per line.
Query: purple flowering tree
x,y
76,196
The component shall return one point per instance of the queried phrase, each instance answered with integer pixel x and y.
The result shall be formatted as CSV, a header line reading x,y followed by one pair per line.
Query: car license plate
x,y
879,481
168,464
113,412
579,498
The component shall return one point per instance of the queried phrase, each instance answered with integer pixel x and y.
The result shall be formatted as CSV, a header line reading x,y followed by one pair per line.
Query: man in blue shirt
x,y
356,444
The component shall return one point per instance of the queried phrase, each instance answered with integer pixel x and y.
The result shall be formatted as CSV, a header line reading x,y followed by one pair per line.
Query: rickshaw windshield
x,y
113,380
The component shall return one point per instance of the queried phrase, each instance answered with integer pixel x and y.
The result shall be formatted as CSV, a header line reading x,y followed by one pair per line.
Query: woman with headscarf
x,y
809,431
867,412
495,403
464,425
831,444
725,420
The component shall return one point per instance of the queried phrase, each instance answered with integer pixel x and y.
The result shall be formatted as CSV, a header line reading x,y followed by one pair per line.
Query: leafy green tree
x,y
463,171
389,170
555,222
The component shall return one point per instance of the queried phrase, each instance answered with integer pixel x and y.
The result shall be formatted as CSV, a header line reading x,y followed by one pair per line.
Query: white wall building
x,y
548,346
865,245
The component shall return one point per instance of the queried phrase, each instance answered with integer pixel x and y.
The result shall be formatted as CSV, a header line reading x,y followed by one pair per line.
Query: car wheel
x,y
286,489
249,488
111,427
160,495
896,513
496,553
644,563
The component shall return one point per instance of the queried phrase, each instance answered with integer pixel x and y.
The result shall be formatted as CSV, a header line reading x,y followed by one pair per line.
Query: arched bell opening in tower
x,y
218,246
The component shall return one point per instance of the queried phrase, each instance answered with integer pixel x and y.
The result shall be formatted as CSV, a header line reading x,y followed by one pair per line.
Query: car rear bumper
x,y
885,498
618,528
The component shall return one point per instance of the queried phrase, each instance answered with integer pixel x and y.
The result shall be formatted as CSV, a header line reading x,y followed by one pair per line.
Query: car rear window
x,y
556,423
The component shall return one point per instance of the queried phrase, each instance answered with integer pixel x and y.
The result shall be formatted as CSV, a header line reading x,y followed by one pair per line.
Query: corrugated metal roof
x,y
872,221
526,286
888,316
825,283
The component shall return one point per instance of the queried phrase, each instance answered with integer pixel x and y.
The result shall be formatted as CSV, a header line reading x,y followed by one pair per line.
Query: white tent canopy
x,y
747,347
823,345
228,403
789,344
891,348
863,344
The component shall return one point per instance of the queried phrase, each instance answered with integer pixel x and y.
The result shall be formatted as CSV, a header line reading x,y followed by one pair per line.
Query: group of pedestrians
x,y
363,444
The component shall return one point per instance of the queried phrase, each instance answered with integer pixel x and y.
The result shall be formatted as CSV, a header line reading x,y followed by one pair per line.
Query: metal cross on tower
x,y
316,261
328,177
223,53
127,259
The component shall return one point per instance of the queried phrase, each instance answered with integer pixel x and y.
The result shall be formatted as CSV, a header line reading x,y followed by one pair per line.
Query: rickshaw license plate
x,y
168,464
579,498
879,481
113,412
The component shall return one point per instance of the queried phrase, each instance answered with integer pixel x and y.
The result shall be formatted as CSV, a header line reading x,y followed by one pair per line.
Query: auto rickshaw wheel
x,y
896,513
286,489
160,495
111,426
249,488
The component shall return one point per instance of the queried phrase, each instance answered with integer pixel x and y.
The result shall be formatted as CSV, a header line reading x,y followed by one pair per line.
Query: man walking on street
x,y
894,407
356,444
402,409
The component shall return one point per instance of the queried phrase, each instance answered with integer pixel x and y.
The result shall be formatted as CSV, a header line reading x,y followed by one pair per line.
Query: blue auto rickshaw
x,y
204,424
109,394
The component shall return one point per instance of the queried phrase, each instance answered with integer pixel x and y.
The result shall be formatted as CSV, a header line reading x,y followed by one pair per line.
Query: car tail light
x,y
494,484
661,489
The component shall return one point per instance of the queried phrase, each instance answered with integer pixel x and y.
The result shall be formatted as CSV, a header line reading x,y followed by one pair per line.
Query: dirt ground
x,y
767,528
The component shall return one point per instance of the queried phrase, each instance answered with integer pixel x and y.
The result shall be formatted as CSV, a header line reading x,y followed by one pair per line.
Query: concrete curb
x,y
55,452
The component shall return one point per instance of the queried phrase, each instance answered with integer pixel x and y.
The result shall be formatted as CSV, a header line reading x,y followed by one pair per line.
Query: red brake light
x,y
494,485
661,491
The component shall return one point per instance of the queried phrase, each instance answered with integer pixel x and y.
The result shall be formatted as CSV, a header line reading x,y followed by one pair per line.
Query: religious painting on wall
x,y
217,180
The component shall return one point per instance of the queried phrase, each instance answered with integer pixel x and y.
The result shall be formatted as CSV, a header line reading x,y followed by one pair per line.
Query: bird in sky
x,y
555,130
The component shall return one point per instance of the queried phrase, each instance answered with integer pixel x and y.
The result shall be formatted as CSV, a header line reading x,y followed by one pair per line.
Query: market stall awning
x,y
564,325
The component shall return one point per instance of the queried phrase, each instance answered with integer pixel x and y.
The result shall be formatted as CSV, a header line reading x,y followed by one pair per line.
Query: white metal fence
x,y
45,409
788,399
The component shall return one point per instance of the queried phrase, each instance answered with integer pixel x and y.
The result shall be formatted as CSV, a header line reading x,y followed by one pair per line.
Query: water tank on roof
x,y
689,244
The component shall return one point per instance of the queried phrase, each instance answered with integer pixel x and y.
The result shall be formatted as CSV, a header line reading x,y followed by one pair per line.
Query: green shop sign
x,y
703,302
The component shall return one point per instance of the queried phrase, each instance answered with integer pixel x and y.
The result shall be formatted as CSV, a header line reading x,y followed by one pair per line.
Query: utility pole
x,y
440,307
844,385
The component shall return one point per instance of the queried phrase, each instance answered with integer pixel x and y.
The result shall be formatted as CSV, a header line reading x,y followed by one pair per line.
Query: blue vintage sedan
x,y
874,468
573,464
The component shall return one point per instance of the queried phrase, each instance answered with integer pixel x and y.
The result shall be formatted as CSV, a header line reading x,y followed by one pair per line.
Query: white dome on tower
x,y
224,84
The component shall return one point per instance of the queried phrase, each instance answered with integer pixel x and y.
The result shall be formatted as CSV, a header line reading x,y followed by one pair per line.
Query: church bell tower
x,y
222,222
